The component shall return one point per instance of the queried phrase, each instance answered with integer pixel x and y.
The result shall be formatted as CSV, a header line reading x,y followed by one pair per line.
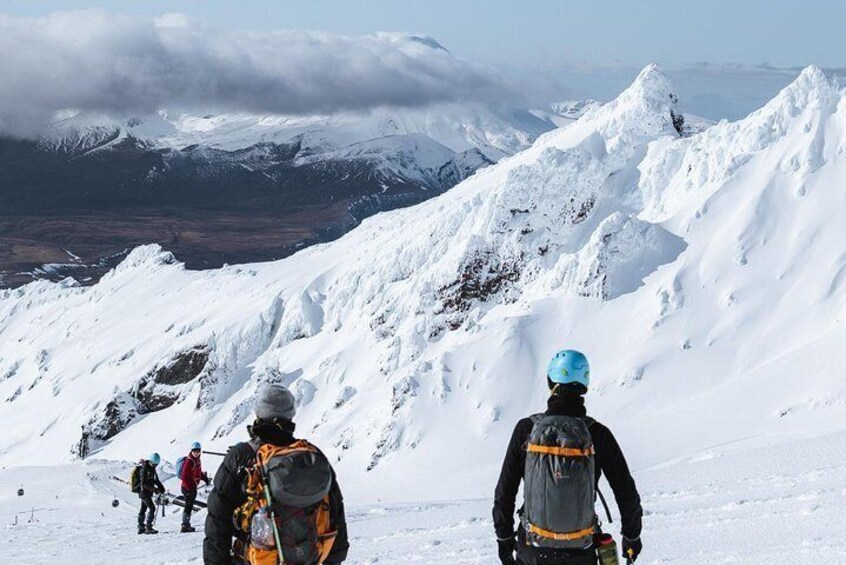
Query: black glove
x,y
632,548
506,550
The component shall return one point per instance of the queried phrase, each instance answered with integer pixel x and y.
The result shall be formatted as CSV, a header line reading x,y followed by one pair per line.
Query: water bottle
x,y
606,549
261,530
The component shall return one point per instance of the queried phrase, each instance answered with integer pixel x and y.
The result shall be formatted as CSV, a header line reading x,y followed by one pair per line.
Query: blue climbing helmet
x,y
569,366
196,445
154,459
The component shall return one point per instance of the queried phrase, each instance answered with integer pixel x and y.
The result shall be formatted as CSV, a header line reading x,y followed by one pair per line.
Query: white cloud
x,y
119,63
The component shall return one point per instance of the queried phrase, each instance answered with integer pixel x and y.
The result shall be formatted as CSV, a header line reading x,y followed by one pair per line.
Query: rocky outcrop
x,y
160,388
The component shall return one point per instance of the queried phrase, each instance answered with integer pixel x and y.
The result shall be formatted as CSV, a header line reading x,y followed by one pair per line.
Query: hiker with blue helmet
x,y
190,472
148,485
559,455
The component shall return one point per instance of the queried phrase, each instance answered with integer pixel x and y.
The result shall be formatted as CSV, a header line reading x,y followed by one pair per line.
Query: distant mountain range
x,y
229,188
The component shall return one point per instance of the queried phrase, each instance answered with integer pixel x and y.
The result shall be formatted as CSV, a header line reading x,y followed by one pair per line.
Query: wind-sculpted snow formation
x,y
703,276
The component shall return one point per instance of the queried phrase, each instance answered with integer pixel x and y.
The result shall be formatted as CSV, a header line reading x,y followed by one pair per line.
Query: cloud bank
x,y
122,64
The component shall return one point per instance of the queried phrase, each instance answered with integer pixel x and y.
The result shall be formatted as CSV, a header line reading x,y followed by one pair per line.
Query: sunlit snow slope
x,y
704,277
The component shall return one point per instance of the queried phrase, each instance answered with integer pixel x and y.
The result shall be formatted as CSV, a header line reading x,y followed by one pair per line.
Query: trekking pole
x,y
214,453
266,488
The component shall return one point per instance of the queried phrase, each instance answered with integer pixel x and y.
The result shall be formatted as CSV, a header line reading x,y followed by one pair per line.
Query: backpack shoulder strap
x,y
589,421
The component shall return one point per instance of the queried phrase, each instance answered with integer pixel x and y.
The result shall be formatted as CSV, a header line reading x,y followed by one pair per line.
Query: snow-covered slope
x,y
702,275
704,510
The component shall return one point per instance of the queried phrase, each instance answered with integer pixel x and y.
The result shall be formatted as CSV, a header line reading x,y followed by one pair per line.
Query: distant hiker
x,y
190,472
275,491
83,443
560,456
148,485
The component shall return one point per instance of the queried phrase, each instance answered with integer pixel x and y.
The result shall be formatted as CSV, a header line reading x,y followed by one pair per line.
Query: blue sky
x,y
543,32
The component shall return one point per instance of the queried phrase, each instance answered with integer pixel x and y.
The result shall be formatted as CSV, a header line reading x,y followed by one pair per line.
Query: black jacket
x,y
609,460
148,480
228,494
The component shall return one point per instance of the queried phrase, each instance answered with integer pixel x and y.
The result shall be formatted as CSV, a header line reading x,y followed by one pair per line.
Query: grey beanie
x,y
275,401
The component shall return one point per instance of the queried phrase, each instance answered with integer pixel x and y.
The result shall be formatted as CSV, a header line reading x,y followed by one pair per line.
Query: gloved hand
x,y
506,550
632,548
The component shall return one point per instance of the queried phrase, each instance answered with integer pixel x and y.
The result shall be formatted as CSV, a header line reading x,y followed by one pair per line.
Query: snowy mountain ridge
x,y
695,272
455,128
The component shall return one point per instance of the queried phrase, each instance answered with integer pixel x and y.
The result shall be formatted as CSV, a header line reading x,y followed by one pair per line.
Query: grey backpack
x,y
560,486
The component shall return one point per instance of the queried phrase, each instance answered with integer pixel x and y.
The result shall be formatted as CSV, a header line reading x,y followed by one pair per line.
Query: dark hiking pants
x,y
148,506
190,497
556,558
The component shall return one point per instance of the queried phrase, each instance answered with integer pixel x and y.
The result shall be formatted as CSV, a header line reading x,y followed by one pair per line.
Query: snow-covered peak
x,y
795,124
645,107
79,131
411,41
145,258
651,87
812,89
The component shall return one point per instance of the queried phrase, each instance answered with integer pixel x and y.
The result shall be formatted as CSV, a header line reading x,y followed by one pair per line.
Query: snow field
x,y
746,502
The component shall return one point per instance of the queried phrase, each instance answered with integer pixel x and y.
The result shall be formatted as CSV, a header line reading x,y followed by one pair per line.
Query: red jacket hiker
x,y
190,477
192,473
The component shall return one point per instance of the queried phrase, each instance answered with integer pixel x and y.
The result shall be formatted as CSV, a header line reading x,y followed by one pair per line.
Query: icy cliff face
x,y
701,275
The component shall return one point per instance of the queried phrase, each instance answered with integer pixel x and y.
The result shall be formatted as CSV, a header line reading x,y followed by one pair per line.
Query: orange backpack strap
x,y
326,532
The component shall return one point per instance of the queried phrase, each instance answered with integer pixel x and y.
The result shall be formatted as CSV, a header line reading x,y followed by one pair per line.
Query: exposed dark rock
x,y
114,418
583,209
184,368
161,388
678,123
482,277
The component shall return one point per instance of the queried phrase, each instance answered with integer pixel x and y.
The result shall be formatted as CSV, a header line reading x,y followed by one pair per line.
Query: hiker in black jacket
x,y
149,485
275,410
567,379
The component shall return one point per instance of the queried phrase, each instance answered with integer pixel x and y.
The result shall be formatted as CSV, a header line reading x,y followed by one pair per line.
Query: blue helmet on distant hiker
x,y
568,367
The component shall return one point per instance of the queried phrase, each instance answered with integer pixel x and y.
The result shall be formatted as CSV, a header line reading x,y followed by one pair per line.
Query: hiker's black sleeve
x,y
612,463
158,482
509,480
339,519
224,498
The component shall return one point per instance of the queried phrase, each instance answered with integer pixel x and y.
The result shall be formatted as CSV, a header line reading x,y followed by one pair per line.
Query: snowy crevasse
x,y
419,338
